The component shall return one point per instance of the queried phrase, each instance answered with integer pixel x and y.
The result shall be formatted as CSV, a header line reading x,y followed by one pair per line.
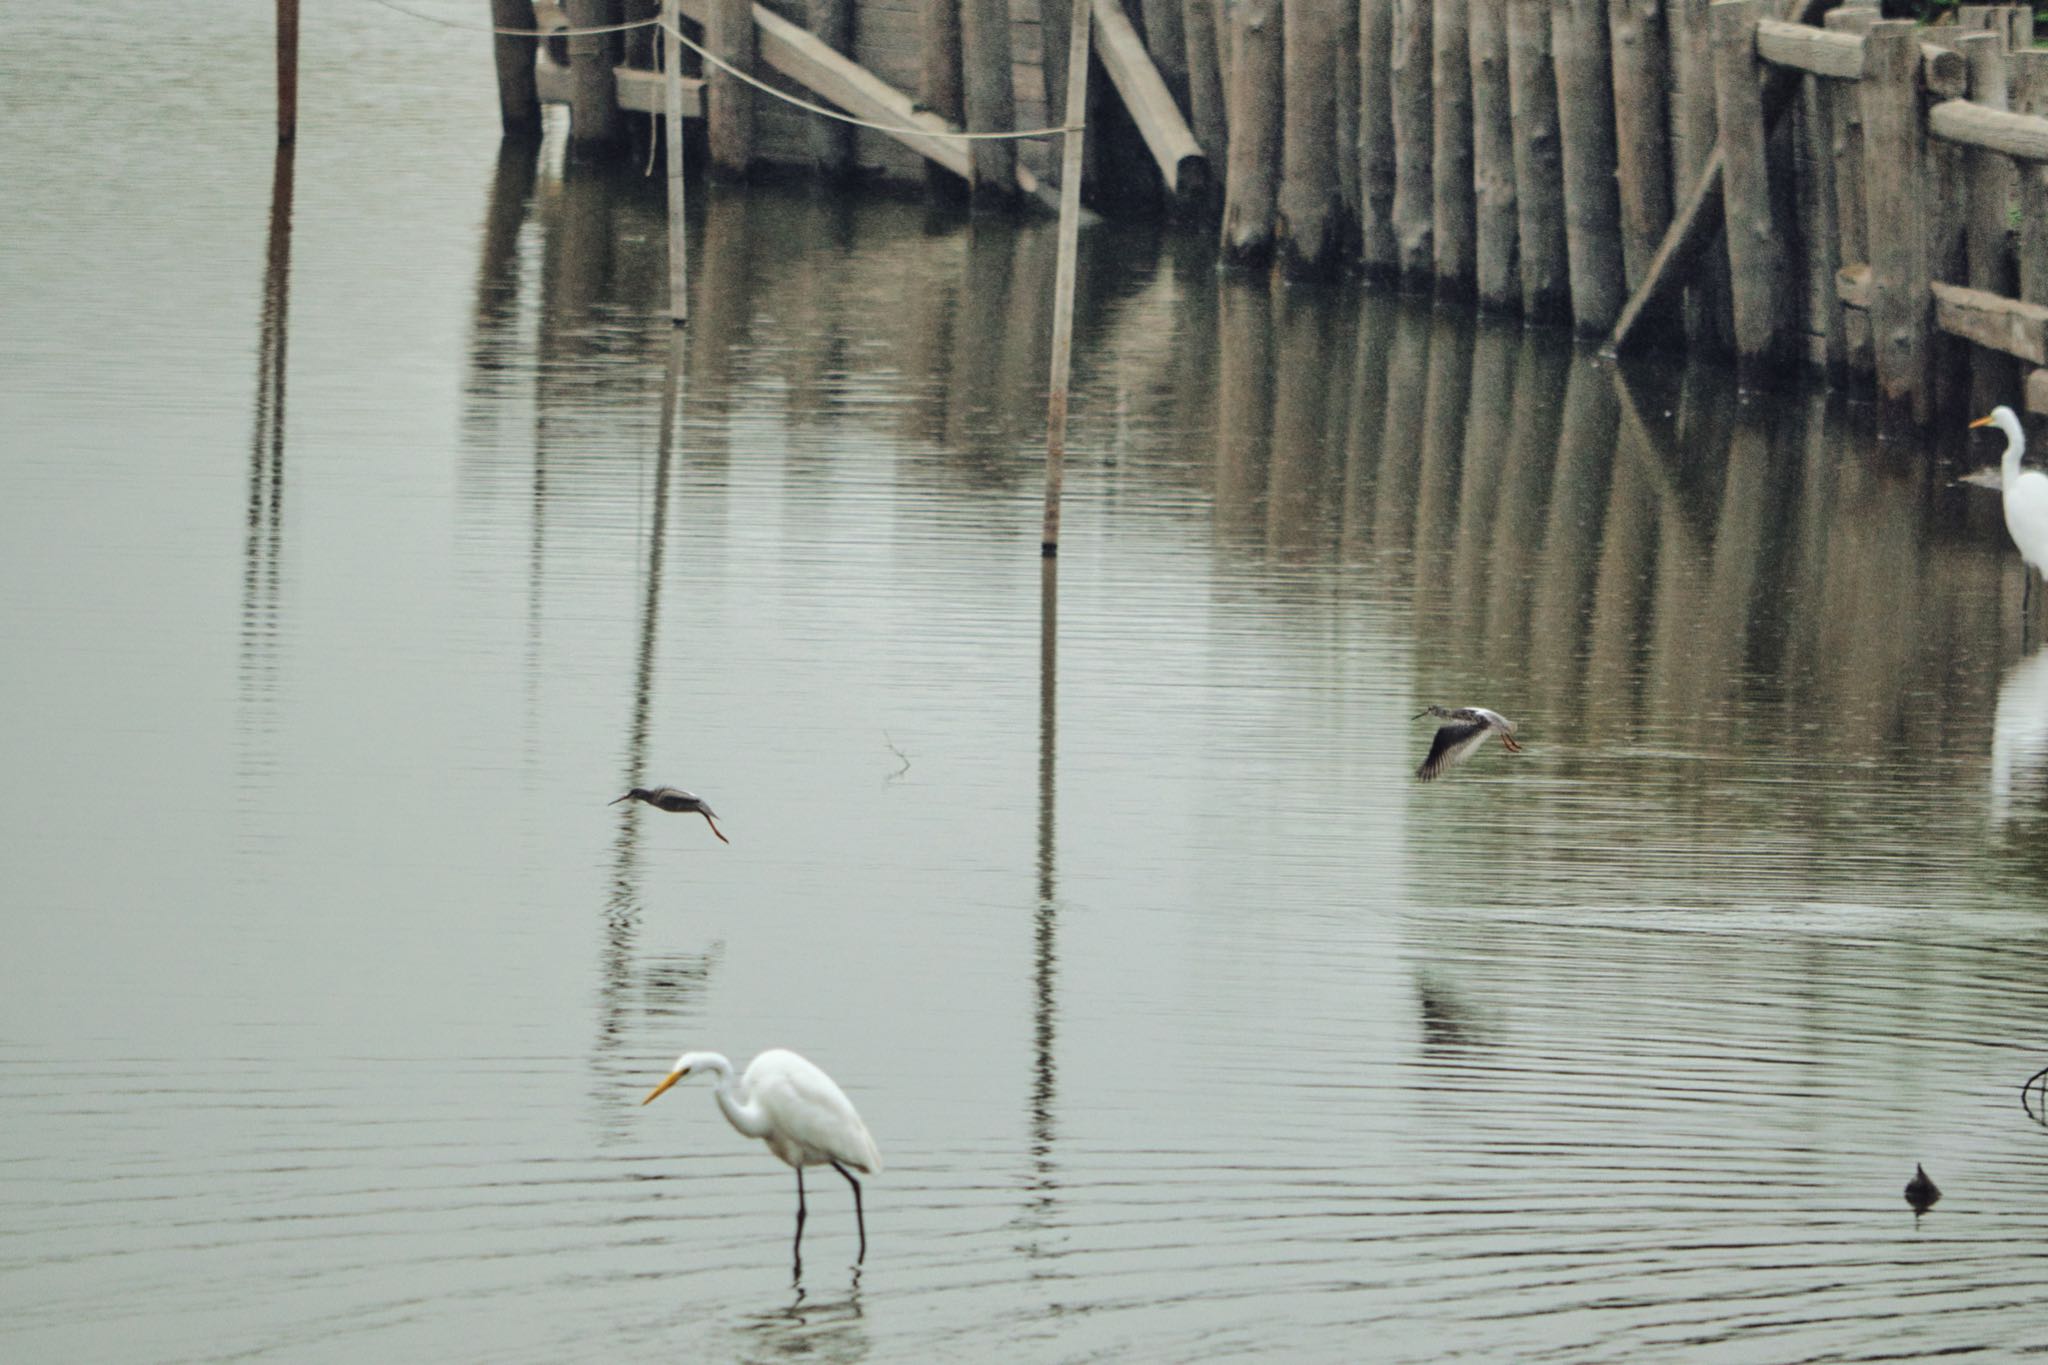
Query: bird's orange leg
x,y
714,826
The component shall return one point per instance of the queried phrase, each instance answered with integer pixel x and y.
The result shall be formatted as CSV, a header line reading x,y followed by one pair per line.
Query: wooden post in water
x,y
1378,250
1689,37
1991,192
1344,90
1307,202
729,102
594,121
1410,59
1850,221
1064,273
1248,190
288,70
1757,255
1166,42
1820,236
832,142
1206,109
990,97
1592,205
2030,96
672,93
1539,166
1635,30
1452,212
1894,164
1496,274
940,82
512,54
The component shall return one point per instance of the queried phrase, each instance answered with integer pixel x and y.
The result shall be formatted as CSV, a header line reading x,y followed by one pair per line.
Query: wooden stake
x,y
1756,241
832,142
2030,96
1451,208
1539,170
518,97
1308,200
594,122
1990,192
1377,249
1592,205
1248,188
1894,140
1497,278
1205,80
678,242
729,102
991,99
1410,58
288,70
1063,279
1635,30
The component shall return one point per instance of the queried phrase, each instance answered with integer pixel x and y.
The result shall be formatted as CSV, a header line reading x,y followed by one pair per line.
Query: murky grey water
x,y
359,553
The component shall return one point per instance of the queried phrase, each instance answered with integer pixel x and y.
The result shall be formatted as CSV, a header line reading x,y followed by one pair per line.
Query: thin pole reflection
x,y
1045,954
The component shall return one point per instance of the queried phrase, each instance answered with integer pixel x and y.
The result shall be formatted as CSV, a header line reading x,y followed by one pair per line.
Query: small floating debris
x,y
1469,726
1920,1191
676,801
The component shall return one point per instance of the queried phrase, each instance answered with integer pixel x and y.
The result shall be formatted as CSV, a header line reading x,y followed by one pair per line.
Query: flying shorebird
x,y
793,1106
678,801
1469,726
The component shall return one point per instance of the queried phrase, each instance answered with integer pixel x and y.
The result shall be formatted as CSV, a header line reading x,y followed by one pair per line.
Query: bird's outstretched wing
x,y
1452,746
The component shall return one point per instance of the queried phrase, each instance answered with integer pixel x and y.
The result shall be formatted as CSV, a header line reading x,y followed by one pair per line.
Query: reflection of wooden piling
x,y
989,96
1410,58
1255,73
1756,245
595,124
1495,275
1539,167
1451,210
1307,202
1378,251
1894,141
288,69
1408,369
518,96
1635,30
1244,399
1585,117
1298,476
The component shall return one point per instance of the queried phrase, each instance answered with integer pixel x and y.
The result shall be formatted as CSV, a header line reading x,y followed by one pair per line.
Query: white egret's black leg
x,y
859,1218
800,1214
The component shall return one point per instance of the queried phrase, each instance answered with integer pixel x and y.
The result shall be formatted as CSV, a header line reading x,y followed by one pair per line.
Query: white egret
x,y
803,1116
1469,726
2025,493
676,801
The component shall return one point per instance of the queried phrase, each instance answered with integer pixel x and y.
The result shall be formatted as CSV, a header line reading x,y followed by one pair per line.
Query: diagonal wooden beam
x,y
1181,162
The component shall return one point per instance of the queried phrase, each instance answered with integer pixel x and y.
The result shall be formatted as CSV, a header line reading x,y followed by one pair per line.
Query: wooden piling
x,y
1452,209
1539,165
595,124
1689,39
288,69
729,101
1076,105
1853,237
1378,248
1894,140
1206,108
832,142
1409,60
1164,27
1945,192
1496,275
1991,191
1757,250
1344,88
2030,96
672,91
990,98
1308,203
1635,30
1249,187
512,54
1819,255
1592,206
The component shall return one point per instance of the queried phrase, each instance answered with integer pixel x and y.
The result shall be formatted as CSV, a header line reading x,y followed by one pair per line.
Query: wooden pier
x,y
1793,183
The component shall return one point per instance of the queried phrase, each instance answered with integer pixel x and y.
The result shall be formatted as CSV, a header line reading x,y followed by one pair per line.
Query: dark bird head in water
x,y
1920,1191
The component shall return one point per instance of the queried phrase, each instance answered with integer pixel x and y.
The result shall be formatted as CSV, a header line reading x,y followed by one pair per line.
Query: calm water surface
x,y
365,533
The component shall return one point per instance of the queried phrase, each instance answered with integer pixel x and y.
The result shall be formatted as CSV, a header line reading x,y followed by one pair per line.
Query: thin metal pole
x,y
1063,279
287,70
672,81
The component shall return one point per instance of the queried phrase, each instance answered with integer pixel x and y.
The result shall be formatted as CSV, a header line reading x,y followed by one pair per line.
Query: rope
x,y
737,74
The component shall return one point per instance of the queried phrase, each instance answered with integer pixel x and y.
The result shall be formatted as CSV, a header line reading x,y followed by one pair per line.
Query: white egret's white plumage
x,y
799,1111
677,802
1469,726
2025,492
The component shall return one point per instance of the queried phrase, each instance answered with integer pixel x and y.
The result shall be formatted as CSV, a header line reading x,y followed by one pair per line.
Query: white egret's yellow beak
x,y
670,1080
1981,422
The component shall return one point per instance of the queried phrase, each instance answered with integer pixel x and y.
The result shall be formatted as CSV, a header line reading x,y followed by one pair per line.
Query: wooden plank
x,y
1378,252
2024,136
1151,104
1992,320
1819,51
1901,308
1452,224
1307,205
642,92
1539,169
1757,253
1409,59
1496,279
1249,182
1635,30
1592,203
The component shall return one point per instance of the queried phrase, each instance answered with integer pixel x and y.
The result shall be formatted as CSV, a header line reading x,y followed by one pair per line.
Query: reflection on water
x,y
1222,1037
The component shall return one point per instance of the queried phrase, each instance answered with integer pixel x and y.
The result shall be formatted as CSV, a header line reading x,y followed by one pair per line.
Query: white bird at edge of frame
x,y
1469,726
677,802
2025,494
799,1111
